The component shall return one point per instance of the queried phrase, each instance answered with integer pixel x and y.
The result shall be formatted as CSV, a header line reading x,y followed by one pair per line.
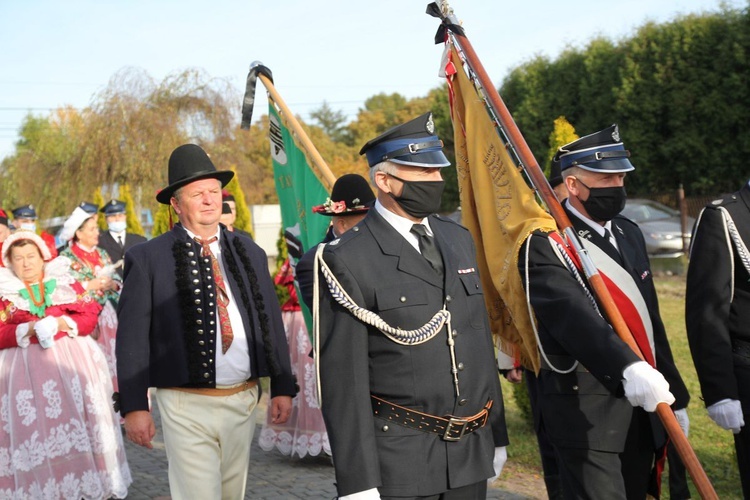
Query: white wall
x,y
266,227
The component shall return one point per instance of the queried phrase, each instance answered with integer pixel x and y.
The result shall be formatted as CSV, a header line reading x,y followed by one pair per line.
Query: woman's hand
x,y
104,284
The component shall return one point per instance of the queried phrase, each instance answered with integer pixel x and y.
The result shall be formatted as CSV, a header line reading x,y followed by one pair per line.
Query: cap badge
x,y
616,134
430,125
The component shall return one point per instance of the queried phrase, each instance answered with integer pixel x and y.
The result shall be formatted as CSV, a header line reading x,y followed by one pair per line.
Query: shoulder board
x,y
726,200
622,218
344,238
443,218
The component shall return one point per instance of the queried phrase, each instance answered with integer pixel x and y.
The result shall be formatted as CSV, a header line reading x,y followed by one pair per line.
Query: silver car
x,y
660,225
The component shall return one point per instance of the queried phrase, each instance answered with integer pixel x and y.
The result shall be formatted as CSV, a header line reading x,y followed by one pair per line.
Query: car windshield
x,y
642,212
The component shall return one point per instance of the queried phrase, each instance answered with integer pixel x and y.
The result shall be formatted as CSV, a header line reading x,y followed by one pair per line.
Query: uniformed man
x,y
24,218
228,218
605,443
351,198
411,394
4,228
116,240
717,314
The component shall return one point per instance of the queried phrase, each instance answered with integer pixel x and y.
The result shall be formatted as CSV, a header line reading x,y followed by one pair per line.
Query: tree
x,y
244,217
562,133
132,213
332,122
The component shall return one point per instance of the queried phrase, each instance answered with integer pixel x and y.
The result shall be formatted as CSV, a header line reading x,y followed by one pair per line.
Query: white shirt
x,y
594,225
403,225
117,236
233,367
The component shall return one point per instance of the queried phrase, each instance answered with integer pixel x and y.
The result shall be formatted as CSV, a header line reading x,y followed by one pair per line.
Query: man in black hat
x,y
410,389
116,240
717,315
199,320
351,198
605,443
229,213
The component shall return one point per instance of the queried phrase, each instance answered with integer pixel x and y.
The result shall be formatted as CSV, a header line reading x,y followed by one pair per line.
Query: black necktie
x,y
119,240
610,239
428,248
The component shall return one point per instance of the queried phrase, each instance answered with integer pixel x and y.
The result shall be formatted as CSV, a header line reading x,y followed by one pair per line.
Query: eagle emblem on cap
x,y
430,125
616,134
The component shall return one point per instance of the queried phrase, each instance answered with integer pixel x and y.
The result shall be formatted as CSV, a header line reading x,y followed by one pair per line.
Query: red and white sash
x,y
624,291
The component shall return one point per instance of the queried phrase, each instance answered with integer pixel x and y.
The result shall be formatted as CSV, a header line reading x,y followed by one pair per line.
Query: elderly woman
x,y
60,437
92,267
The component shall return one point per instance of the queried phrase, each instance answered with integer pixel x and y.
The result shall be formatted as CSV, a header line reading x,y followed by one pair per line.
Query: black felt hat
x,y
351,195
189,163
601,152
413,143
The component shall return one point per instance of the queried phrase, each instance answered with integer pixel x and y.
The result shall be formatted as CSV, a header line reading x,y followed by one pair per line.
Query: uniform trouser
x,y
476,491
207,440
742,446
592,474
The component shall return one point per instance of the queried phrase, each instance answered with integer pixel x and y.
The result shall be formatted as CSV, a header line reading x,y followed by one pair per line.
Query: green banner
x,y
299,189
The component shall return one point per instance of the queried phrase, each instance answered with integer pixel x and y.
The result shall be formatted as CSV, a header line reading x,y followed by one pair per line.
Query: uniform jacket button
x,y
385,428
402,299
448,298
463,402
460,366
575,387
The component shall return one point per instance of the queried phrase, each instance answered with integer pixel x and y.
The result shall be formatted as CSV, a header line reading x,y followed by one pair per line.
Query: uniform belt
x,y
218,391
741,348
450,428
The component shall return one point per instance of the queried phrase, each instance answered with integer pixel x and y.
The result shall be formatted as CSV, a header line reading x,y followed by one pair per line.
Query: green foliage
x,y
678,90
161,219
131,212
521,396
244,217
98,200
562,133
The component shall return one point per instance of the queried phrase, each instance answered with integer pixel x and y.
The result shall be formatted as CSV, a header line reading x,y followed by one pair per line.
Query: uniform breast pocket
x,y
471,283
401,295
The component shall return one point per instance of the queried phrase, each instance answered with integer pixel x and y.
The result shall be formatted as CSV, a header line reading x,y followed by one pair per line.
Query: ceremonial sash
x,y
624,291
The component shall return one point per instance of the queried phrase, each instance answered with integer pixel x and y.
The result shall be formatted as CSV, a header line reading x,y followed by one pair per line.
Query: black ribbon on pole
x,y
249,100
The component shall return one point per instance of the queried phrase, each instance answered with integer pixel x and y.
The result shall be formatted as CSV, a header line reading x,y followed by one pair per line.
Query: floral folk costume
x,y
59,436
87,265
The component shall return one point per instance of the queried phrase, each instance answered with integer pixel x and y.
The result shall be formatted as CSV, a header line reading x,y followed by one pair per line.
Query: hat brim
x,y
323,210
608,167
224,176
430,159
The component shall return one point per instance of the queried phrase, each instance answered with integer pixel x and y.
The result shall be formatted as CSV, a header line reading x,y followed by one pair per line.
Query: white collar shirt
x,y
403,225
594,225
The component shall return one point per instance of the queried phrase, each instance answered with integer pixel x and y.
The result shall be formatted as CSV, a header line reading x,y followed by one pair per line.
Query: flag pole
x,y
317,162
505,122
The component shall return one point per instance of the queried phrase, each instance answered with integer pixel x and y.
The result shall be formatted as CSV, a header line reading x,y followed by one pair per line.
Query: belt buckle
x,y
454,422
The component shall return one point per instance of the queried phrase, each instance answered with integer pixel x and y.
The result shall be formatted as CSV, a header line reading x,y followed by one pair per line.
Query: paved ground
x,y
271,475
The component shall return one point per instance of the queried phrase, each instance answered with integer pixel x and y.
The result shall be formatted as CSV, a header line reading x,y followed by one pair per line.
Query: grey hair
x,y
386,167
576,171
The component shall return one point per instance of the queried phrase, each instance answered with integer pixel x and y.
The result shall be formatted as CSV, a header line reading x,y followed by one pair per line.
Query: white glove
x,y
727,414
501,455
45,330
683,420
645,386
371,494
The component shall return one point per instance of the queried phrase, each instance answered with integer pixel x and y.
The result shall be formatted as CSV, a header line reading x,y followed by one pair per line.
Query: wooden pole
x,y
530,165
318,163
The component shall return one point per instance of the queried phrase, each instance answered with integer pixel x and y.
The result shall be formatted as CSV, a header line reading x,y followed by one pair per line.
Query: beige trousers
x,y
208,442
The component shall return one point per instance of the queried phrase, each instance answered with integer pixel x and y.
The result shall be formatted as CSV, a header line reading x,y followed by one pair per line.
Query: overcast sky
x,y
341,51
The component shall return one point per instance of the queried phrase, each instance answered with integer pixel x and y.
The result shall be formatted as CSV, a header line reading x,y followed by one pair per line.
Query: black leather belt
x,y
741,348
449,428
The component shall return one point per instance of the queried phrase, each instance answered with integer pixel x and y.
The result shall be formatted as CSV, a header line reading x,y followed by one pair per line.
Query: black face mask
x,y
604,203
419,198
